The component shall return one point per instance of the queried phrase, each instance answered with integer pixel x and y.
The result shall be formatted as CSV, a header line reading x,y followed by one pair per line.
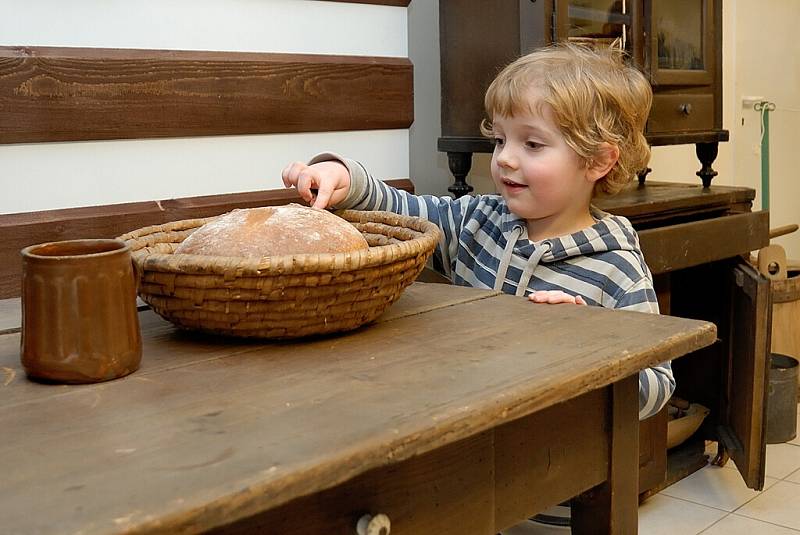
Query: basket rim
x,y
147,259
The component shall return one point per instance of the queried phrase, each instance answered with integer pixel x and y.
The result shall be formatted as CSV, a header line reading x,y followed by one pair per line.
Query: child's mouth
x,y
513,186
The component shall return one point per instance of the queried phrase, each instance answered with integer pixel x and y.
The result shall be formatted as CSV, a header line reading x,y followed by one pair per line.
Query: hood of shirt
x,y
608,233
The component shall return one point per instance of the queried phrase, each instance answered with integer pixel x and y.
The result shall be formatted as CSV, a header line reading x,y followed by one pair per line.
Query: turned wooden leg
x,y
642,175
611,507
706,153
460,163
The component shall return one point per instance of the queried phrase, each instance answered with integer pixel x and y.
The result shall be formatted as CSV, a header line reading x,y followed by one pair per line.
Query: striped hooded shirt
x,y
484,245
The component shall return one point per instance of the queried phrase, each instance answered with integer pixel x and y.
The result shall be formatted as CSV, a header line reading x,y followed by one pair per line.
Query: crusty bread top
x,y
273,230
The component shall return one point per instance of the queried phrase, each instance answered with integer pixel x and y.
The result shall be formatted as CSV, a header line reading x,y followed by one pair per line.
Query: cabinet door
x,y
596,22
682,37
744,420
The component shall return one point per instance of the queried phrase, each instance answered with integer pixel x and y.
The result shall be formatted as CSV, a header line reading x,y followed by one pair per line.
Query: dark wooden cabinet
x,y
677,45
699,272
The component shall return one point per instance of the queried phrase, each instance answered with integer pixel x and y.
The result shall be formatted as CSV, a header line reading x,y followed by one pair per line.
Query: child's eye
x,y
533,144
498,141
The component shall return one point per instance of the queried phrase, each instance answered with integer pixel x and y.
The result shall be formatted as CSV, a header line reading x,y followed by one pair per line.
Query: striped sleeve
x,y
656,384
368,193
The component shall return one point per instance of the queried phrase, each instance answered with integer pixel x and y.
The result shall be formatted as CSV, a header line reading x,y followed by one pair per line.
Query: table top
x,y
9,315
214,429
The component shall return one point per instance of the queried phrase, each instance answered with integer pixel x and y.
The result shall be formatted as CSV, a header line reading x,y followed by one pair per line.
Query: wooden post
x,y
611,507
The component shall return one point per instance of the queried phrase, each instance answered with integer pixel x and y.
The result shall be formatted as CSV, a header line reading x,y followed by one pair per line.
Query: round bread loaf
x,y
272,231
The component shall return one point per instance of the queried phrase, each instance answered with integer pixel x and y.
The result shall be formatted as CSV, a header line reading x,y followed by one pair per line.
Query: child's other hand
x,y
553,297
321,185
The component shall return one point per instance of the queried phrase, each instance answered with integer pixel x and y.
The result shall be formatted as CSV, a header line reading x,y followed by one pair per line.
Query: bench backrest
x,y
23,229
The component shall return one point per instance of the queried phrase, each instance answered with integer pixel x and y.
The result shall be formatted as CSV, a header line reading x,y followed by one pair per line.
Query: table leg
x,y
611,507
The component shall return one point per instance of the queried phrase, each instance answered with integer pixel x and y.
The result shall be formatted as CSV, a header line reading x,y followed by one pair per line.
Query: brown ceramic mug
x,y
79,317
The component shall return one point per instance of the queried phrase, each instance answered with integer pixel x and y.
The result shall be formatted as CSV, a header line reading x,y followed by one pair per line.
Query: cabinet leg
x,y
706,153
642,175
460,163
722,457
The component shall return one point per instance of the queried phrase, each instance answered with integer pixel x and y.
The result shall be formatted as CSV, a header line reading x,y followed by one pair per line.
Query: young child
x,y
567,122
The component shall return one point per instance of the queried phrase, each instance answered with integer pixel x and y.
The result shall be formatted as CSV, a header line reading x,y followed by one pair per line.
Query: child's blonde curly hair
x,y
595,98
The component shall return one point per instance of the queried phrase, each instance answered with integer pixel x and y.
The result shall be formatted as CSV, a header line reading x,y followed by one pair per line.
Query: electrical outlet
x,y
749,101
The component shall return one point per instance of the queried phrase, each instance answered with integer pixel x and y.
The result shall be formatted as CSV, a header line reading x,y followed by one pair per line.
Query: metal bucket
x,y
782,399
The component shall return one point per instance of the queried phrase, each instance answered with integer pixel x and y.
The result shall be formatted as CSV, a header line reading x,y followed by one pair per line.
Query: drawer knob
x,y
374,525
685,109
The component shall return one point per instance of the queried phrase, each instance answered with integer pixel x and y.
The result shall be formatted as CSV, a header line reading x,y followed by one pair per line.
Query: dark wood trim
x,y
20,230
653,446
402,3
679,138
482,144
668,248
655,202
70,94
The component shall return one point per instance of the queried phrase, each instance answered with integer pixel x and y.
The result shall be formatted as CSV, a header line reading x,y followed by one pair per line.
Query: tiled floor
x,y
715,501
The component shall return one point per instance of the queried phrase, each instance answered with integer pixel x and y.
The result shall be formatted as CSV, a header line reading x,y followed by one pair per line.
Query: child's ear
x,y
602,162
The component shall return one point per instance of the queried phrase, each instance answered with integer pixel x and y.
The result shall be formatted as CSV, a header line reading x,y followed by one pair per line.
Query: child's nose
x,y
506,157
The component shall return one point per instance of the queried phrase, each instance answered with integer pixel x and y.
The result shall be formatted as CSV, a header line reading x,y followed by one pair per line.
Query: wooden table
x,y
446,424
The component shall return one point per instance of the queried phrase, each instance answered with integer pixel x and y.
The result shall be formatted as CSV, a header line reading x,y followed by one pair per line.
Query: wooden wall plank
x,y
20,230
69,94
403,3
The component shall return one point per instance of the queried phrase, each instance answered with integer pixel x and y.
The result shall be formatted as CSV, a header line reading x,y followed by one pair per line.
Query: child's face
x,y
541,177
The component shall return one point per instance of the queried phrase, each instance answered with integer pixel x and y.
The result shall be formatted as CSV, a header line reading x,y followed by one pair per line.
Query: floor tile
x,y
794,478
734,524
796,440
663,515
782,460
715,487
779,504
711,451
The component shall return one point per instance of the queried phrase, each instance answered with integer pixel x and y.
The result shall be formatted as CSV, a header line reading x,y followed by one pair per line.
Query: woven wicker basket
x,y
281,296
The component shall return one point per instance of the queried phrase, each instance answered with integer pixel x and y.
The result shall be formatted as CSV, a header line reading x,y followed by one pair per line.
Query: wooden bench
x,y
21,230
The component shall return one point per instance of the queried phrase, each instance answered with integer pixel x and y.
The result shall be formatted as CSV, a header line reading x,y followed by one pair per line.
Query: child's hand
x,y
553,297
321,185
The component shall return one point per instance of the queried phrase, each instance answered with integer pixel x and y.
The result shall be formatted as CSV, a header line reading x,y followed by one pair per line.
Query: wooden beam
x,y
20,230
70,94
402,3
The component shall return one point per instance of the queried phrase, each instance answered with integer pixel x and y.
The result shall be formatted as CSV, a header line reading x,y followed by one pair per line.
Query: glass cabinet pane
x,y
679,30
599,22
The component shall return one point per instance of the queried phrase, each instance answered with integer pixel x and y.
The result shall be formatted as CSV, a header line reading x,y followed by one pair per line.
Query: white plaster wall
x,y
768,65
427,166
59,175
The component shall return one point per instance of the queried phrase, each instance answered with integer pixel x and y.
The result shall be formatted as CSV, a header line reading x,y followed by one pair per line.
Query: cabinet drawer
x,y
681,113
438,492
699,242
